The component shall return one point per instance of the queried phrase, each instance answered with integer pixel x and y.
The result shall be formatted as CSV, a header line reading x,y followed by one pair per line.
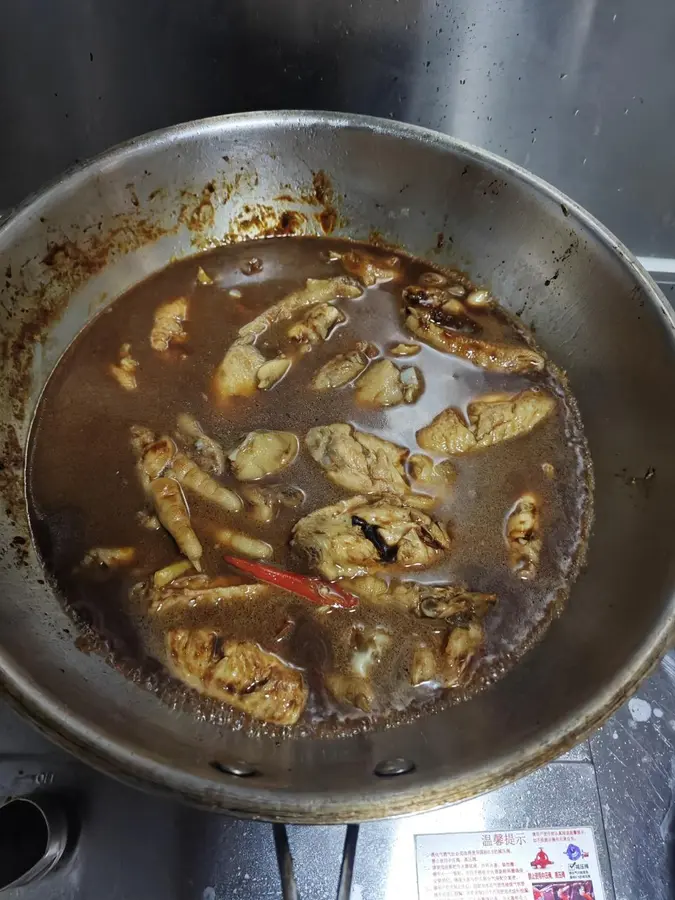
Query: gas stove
x,y
128,844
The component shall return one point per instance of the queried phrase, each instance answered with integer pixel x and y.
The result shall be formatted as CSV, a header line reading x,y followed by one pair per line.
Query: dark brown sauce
x,y
84,491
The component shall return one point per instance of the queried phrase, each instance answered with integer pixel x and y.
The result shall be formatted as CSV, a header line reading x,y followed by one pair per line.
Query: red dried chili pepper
x,y
314,589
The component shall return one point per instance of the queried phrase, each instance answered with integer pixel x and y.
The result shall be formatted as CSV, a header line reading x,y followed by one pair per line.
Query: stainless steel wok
x,y
71,249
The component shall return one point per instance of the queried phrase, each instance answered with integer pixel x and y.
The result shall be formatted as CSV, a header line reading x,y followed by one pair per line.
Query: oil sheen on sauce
x,y
84,491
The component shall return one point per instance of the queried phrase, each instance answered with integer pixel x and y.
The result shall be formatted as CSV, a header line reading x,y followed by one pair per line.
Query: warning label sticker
x,y
541,864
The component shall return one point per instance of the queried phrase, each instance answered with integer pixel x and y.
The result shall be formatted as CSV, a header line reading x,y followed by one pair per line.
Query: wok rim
x,y
119,759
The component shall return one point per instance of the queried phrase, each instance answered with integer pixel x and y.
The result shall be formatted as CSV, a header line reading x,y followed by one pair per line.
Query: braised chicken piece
x,y
261,505
371,269
361,535
264,501
148,520
199,482
423,468
479,299
484,354
424,666
209,453
340,370
316,290
173,513
358,461
447,433
316,325
110,557
462,646
523,537
240,673
351,689
237,374
124,372
157,457
200,591
272,371
367,587
140,439
405,349
163,458
263,453
493,419
167,329
452,667
384,384
454,282
501,417
436,601
170,573
354,687
428,601
368,645
243,544
441,306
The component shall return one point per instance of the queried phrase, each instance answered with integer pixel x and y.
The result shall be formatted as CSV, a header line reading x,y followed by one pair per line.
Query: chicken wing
x,y
358,461
493,419
208,451
167,327
124,372
340,370
484,354
172,512
263,453
523,537
316,291
384,384
362,535
316,325
240,673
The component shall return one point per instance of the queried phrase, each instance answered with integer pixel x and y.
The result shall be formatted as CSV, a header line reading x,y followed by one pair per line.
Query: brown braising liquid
x,y
84,491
